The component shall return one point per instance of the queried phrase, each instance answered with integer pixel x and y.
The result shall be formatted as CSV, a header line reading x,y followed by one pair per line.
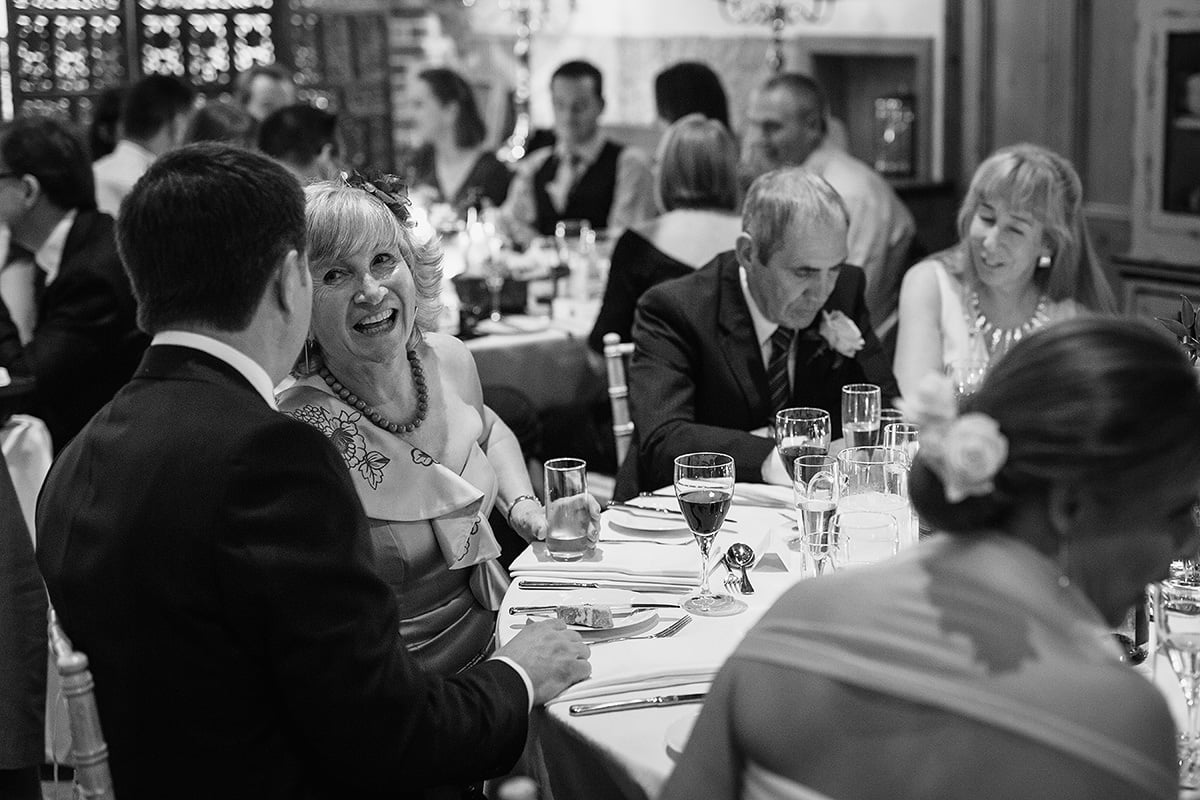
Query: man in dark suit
x,y
68,316
211,557
719,351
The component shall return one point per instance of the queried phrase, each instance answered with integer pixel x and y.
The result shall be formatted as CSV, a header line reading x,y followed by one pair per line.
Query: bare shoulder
x,y
448,352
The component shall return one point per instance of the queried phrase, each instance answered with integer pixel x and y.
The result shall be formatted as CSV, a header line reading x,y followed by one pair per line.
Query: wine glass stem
x,y
705,558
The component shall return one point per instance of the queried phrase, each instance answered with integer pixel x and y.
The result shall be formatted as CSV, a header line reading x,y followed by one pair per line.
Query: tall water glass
x,y
571,532
1177,623
704,488
801,432
888,416
902,436
816,488
861,403
876,479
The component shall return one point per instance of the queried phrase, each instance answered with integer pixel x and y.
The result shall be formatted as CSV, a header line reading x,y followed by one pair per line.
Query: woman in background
x,y
697,190
690,87
1024,260
980,663
452,164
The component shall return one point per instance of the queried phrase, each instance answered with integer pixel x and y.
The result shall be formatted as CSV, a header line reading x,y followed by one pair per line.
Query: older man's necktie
x,y
778,386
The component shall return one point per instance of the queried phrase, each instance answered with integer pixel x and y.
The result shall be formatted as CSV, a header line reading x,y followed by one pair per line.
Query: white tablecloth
x,y
624,754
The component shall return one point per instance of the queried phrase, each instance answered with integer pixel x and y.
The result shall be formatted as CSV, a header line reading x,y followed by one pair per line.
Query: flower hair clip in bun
x,y
964,451
389,189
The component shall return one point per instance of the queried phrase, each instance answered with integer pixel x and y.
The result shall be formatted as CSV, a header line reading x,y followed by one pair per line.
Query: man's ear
x,y
292,281
745,251
31,190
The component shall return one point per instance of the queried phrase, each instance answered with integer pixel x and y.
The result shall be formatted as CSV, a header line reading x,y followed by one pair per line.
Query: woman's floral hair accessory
x,y
964,451
389,189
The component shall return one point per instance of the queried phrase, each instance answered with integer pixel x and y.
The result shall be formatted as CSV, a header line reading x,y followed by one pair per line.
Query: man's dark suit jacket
x,y
211,558
86,343
697,380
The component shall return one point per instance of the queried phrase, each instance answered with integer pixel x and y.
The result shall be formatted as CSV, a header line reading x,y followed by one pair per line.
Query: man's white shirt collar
x,y
587,151
49,256
250,369
764,329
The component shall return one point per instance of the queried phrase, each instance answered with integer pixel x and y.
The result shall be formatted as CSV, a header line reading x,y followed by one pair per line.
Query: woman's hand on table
x,y
529,520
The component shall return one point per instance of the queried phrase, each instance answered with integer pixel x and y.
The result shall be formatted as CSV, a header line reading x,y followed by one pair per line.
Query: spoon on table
x,y
741,555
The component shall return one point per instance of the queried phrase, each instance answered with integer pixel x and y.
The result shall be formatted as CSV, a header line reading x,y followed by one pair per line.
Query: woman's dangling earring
x,y
307,365
1064,563
1044,261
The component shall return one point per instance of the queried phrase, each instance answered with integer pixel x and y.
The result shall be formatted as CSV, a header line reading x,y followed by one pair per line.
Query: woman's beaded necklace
x,y
418,375
998,340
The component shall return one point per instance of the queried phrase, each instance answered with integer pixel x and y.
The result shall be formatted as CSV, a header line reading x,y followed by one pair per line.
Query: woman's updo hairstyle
x,y
1093,401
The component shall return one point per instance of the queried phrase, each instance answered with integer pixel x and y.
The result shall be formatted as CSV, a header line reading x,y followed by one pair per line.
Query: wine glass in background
x,y
494,276
902,436
801,432
888,416
816,489
861,403
704,488
1177,620
967,376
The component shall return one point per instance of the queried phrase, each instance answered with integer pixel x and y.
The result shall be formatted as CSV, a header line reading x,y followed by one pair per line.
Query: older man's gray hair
x,y
784,197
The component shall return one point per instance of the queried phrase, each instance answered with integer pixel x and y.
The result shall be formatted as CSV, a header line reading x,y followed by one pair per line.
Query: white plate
x,y
677,733
622,625
633,521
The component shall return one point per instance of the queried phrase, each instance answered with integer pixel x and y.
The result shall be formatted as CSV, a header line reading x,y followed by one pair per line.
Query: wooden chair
x,y
615,353
88,750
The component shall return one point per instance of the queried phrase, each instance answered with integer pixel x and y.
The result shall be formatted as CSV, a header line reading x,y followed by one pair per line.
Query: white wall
x,y
615,34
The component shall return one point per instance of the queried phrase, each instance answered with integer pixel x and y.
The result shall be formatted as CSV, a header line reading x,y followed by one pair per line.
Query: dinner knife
x,y
583,709
631,586
650,511
620,608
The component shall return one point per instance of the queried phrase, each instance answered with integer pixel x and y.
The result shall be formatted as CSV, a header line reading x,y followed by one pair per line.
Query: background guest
x,y
1024,260
264,89
218,121
690,87
154,117
303,139
697,187
68,316
428,458
104,130
979,664
584,176
719,351
787,124
453,163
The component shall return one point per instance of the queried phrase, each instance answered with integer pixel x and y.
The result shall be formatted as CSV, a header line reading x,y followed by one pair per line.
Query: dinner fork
x,y
672,629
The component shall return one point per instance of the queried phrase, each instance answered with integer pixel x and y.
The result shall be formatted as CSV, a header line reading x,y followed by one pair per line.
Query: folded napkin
x,y
691,656
616,564
763,494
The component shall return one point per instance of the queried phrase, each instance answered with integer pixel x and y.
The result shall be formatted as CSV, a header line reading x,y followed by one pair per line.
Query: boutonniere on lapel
x,y
839,334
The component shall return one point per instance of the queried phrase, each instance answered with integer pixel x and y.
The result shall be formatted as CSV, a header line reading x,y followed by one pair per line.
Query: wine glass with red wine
x,y
801,432
704,487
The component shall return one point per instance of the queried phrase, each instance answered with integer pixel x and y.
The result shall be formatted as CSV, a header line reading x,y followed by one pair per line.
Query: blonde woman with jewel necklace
x,y
403,406
1024,260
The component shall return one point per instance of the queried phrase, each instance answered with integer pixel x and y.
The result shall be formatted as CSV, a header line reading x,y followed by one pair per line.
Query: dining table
x,y
650,559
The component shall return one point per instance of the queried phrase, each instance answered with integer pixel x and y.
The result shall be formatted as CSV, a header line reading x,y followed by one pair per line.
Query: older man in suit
x,y
68,315
211,557
761,328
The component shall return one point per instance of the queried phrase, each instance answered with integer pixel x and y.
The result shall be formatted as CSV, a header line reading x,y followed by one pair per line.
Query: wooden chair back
x,y
615,354
88,750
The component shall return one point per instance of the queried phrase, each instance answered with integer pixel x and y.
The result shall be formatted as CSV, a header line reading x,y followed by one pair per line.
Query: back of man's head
x,y
152,104
297,134
265,88
782,198
203,231
575,70
54,152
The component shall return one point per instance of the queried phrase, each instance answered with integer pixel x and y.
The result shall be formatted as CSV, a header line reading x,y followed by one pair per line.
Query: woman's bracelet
x,y
516,501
